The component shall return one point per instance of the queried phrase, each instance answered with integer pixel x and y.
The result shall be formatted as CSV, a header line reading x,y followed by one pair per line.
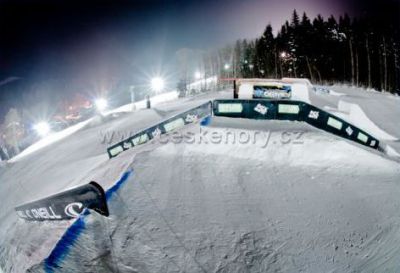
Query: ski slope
x,y
316,204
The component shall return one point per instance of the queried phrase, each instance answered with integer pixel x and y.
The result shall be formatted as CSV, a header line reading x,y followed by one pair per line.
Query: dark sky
x,y
36,32
71,41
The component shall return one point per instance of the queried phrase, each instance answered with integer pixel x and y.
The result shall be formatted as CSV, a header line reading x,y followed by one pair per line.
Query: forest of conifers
x,y
361,51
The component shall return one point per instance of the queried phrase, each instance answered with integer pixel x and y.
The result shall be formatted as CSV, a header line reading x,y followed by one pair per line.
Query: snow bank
x,y
50,139
246,91
391,152
164,97
353,113
300,92
334,93
298,80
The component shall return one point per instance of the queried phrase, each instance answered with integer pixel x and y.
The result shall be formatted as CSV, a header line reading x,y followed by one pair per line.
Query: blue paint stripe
x,y
205,121
119,183
72,234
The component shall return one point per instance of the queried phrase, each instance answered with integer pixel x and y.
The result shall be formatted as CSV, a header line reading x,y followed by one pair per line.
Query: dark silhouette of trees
x,y
361,51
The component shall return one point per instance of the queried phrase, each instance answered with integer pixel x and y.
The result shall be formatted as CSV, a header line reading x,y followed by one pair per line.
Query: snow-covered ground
x,y
316,204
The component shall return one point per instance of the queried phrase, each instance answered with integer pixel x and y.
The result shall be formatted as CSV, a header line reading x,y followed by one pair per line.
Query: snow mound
x,y
391,152
354,114
298,80
300,92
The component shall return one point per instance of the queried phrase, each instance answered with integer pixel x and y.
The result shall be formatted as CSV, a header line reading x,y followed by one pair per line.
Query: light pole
x,y
227,68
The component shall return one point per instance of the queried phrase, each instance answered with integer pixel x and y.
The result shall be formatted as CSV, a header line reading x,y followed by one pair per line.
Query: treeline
x,y
360,51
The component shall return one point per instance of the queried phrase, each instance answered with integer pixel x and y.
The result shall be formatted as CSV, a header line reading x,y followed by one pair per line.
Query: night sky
x,y
72,41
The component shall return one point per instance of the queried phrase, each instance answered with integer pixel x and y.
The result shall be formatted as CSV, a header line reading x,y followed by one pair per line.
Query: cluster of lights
x,y
43,128
283,55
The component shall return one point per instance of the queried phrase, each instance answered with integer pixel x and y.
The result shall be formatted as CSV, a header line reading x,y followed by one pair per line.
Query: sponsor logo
x,y
191,118
373,142
42,213
156,132
261,109
313,114
74,209
127,145
349,131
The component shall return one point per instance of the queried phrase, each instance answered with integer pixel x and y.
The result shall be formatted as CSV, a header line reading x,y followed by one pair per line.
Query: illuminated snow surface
x,y
316,204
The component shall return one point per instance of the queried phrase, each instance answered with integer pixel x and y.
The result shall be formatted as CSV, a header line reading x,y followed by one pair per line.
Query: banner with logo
x,y
293,110
65,205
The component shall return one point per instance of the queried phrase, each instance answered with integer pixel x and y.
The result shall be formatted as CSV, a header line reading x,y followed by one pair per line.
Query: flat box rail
x,y
296,111
166,126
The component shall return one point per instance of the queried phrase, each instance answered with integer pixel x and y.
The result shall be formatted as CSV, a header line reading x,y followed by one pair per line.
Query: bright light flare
x,y
283,54
101,104
227,66
197,75
42,128
157,84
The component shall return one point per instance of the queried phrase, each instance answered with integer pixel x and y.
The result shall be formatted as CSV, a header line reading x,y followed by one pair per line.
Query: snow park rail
x,y
295,111
166,126
252,109
65,205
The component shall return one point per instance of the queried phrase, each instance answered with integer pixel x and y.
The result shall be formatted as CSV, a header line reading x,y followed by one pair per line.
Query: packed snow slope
x,y
71,160
315,203
259,206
